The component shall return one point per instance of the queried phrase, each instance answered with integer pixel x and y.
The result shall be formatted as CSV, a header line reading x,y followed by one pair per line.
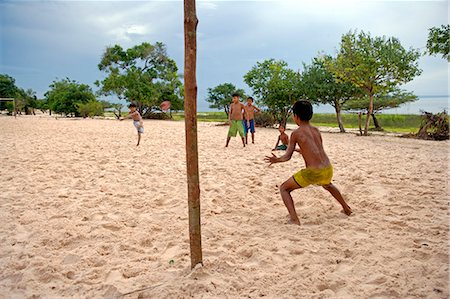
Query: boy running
x,y
137,120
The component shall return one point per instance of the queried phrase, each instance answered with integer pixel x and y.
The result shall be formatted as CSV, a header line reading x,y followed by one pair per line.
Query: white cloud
x,y
128,32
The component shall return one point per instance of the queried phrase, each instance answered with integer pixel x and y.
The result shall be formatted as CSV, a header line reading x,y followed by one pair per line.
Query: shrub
x,y
264,119
157,115
90,109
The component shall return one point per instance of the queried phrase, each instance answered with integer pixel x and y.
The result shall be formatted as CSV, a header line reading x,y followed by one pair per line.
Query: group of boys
x,y
318,171
242,119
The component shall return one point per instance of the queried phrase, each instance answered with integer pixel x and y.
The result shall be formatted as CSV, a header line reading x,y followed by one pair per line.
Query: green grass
x,y
401,123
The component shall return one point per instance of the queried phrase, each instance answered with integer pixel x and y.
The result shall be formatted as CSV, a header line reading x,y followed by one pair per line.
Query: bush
x,y
264,119
157,115
90,109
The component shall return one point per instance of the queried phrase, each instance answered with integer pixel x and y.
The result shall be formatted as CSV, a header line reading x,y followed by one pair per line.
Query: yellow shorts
x,y
312,176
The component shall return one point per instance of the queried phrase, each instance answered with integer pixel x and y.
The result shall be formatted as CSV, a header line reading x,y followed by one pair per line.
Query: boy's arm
x,y
257,109
244,112
278,141
126,116
230,112
287,156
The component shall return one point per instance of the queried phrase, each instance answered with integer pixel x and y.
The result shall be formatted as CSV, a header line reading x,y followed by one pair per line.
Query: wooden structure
x,y
190,114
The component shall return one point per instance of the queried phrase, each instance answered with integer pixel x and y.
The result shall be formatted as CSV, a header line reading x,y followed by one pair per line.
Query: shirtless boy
x,y
235,116
318,169
249,121
137,120
284,138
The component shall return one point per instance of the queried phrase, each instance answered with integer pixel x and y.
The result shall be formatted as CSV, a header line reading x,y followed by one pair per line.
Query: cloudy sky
x,y
42,41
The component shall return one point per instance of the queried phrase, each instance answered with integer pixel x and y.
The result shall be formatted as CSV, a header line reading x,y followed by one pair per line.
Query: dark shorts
x,y
248,127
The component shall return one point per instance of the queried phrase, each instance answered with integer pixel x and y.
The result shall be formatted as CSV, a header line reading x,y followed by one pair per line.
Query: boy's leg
x,y
139,139
252,129
336,194
228,141
244,123
285,190
241,132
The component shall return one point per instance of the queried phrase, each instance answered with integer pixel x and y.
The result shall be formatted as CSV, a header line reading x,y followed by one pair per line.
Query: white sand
x,y
86,214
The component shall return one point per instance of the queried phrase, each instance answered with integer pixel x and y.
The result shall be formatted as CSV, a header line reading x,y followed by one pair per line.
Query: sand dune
x,y
87,214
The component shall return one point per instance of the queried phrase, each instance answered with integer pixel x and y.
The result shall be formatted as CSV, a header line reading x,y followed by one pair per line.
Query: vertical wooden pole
x,y
190,114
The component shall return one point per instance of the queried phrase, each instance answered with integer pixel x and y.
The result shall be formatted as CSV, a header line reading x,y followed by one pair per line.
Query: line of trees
x,y
364,76
143,74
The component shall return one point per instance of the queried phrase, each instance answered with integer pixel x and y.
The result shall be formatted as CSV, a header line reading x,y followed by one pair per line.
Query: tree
x,y
276,85
376,65
220,96
320,86
90,109
380,102
64,96
439,41
26,101
8,88
190,108
143,74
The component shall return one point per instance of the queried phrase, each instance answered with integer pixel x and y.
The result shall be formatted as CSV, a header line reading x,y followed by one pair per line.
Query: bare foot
x,y
290,221
347,212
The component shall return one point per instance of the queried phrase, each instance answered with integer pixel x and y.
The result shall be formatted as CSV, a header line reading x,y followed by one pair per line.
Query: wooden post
x,y
190,116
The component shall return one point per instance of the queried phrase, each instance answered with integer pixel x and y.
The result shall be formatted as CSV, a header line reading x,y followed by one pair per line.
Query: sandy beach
x,y
87,214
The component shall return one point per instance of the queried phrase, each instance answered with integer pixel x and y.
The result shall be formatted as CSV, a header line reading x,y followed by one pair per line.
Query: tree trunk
x,y
190,112
359,123
376,123
369,113
337,107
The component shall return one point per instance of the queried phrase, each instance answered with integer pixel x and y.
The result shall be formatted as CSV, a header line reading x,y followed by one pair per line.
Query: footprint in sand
x,y
112,226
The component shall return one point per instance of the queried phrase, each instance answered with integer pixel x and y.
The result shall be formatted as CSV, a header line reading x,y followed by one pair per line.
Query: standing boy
x,y
318,169
137,120
235,117
249,122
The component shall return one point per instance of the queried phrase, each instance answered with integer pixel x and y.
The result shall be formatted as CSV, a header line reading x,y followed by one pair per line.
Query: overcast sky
x,y
42,41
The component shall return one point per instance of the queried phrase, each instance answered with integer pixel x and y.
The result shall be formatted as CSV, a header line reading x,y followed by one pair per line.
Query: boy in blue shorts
x,y
249,122
318,171
236,115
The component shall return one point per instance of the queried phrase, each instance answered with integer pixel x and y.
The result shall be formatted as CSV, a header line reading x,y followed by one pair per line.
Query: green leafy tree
x,y
26,101
376,65
42,104
220,96
380,102
8,89
143,74
277,87
90,109
439,41
320,86
65,95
